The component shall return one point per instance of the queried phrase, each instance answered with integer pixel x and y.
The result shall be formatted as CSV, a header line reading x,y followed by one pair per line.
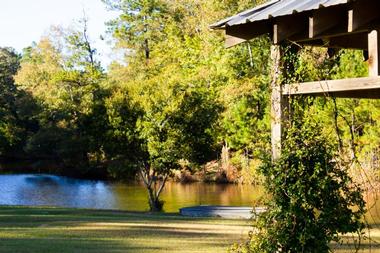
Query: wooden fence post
x,y
276,101
374,53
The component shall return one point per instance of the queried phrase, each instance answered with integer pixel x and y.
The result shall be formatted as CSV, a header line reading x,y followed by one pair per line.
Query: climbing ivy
x,y
312,199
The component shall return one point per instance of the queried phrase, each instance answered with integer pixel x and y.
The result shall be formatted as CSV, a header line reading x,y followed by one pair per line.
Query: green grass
x,y
29,229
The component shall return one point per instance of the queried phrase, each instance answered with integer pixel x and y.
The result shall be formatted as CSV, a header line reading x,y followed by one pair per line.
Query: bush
x,y
313,199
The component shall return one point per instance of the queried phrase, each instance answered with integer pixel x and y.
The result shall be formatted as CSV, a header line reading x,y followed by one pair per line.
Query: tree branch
x,y
162,185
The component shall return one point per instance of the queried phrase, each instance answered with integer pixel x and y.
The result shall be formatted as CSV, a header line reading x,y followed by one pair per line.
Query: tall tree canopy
x,y
9,131
63,75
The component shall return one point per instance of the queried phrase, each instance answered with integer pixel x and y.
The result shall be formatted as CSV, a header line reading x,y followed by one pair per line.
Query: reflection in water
x,y
51,190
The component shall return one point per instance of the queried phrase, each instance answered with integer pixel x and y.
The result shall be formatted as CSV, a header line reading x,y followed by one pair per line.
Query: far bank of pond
x,y
51,190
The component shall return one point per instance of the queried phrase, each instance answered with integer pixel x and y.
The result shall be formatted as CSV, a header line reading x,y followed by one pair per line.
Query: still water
x,y
49,190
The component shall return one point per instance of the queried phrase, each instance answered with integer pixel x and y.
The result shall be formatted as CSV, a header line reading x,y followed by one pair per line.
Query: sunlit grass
x,y
369,241
40,230
24,229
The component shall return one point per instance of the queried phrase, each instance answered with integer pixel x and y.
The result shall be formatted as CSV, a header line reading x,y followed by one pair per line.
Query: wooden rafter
x,y
350,41
363,15
288,26
240,33
327,21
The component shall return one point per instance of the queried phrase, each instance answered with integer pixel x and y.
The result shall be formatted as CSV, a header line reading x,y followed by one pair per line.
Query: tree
x,y
62,73
9,131
17,107
175,127
139,27
160,125
123,147
178,108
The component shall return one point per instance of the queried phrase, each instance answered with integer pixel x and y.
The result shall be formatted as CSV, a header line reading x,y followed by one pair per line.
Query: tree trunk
x,y
154,191
155,204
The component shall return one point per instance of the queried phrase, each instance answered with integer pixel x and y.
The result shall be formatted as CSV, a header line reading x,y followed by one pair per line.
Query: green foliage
x,y
313,198
122,146
177,98
172,80
63,75
17,107
140,25
9,63
245,120
173,124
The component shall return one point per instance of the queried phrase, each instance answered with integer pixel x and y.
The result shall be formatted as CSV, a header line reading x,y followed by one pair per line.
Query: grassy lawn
x,y
24,229
40,230
370,243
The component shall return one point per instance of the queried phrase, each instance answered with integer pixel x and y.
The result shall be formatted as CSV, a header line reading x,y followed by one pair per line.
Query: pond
x,y
50,190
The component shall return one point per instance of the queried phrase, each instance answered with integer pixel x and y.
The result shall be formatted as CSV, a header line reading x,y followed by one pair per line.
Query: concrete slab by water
x,y
229,212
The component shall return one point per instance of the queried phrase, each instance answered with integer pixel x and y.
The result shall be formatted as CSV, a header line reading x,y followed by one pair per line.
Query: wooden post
x,y
276,102
374,53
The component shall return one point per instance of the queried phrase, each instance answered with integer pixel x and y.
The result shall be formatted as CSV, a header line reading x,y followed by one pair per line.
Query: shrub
x,y
313,198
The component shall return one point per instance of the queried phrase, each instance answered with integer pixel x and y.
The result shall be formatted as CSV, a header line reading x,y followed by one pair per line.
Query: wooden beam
x,y
325,23
240,33
362,14
367,94
365,87
313,43
233,41
374,53
328,19
351,41
286,27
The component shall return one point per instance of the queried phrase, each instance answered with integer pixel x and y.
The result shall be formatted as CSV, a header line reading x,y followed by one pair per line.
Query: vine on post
x,y
313,199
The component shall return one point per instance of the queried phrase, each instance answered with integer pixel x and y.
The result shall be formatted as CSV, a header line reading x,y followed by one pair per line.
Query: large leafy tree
x,y
9,63
178,106
162,125
62,73
17,107
175,126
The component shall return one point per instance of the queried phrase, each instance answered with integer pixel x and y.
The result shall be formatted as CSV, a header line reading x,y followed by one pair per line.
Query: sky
x,y
25,21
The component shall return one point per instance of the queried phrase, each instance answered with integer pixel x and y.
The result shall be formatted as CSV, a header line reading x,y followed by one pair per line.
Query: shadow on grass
x,y
370,242
24,229
15,215
55,245
350,247
89,213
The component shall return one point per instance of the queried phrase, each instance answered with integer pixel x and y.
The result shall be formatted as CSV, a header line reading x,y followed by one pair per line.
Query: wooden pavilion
x,y
353,24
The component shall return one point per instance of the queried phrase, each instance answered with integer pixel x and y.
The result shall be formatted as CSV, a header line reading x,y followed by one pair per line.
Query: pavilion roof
x,y
275,8
329,23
